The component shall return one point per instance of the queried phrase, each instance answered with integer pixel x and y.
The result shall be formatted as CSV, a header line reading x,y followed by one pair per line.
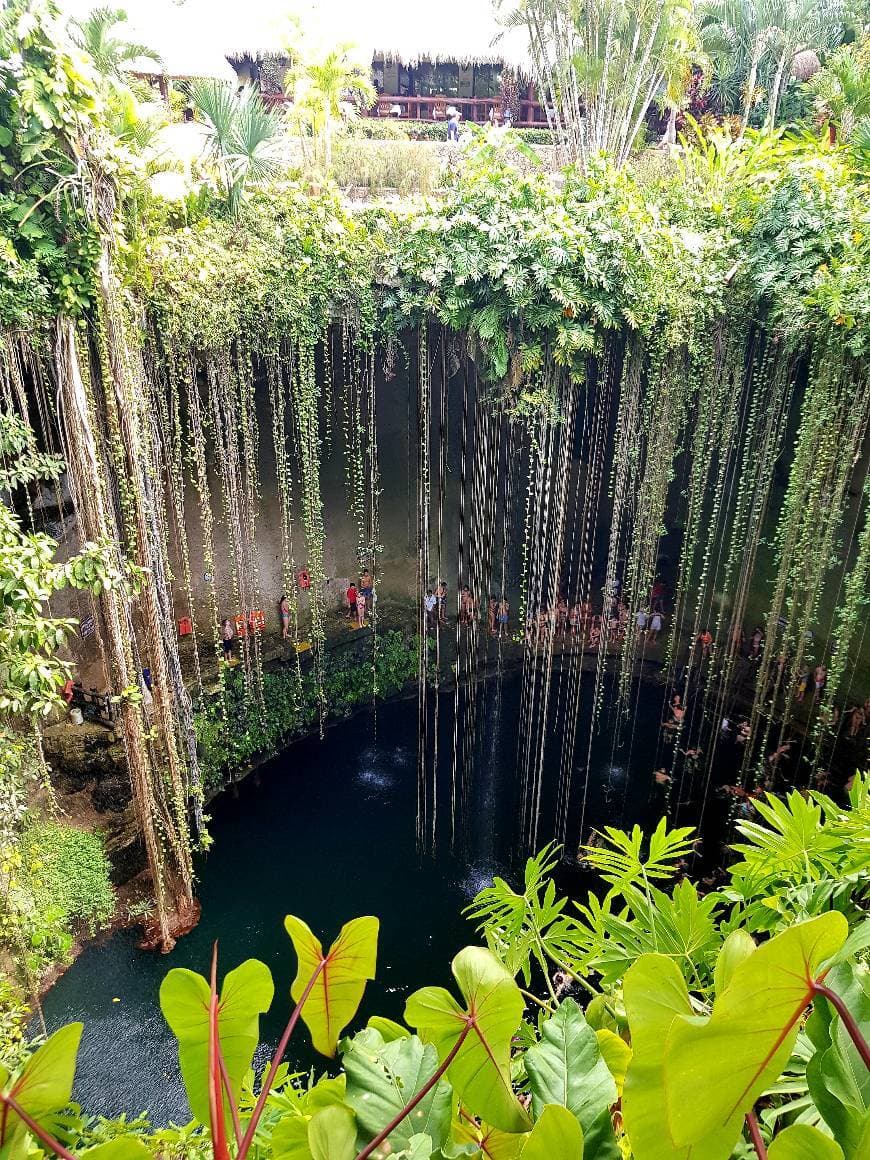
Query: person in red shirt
x,y
705,640
351,600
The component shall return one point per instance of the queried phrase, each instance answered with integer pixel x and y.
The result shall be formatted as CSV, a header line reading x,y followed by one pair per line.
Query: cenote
x,y
394,527
327,831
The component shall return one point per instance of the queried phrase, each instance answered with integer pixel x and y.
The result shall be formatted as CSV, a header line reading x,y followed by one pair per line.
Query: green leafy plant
x,y
243,136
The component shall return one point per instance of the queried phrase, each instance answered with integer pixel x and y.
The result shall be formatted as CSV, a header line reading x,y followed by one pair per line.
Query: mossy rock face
x,y
81,754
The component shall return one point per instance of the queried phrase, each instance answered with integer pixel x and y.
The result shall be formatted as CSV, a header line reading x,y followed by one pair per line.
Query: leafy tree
x,y
600,64
325,89
242,135
97,35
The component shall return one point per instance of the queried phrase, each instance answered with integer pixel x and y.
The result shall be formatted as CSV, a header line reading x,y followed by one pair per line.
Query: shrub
x,y
67,872
232,731
384,129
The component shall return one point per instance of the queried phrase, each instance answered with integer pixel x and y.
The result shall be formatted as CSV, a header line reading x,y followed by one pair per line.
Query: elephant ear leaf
x,y
329,987
45,1085
185,999
803,1142
655,996
477,1038
556,1136
715,1069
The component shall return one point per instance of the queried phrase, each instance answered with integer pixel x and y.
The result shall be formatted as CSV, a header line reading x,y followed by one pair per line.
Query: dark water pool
x,y
327,831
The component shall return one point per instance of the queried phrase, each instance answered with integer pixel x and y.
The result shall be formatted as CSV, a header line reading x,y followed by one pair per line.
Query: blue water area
x,y
327,831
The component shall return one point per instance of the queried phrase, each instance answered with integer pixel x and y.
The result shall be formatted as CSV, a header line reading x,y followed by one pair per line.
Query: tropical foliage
x,y
242,135
671,1056
713,289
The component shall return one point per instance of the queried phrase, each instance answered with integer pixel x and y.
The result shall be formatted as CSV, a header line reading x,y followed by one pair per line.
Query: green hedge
x,y
232,731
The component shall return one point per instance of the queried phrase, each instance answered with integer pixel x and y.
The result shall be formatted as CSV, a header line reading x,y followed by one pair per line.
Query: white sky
x,y
194,35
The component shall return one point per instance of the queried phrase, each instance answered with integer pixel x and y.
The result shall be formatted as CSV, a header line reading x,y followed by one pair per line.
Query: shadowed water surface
x,y
327,831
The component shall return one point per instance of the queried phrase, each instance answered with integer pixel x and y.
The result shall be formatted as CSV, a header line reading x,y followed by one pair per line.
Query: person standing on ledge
x,y
351,600
361,608
655,627
503,614
227,634
430,604
285,617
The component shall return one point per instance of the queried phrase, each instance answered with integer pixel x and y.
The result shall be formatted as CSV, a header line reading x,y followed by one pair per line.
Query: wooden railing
x,y
476,109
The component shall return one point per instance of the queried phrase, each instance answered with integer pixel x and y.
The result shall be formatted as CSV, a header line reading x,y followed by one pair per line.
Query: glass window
x,y
434,80
487,80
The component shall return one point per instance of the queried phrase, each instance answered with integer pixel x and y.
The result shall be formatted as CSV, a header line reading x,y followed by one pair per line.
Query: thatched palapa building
x,y
424,59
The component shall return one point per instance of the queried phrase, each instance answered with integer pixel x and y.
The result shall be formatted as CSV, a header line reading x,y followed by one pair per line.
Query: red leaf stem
x,y
848,1020
755,1136
276,1061
38,1131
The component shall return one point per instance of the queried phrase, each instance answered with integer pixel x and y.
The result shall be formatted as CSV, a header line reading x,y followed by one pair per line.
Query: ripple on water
x,y
477,877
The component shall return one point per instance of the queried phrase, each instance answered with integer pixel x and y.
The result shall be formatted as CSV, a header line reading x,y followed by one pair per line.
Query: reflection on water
x,y
327,831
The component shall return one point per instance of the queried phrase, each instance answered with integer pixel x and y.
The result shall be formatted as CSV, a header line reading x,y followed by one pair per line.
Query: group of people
x,y
435,609
360,599
578,623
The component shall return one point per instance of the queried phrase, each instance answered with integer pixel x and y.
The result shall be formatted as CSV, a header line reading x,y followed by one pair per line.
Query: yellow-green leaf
x,y
342,975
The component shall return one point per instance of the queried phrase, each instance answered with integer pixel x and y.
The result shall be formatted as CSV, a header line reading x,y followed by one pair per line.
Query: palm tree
x,y
96,35
738,35
323,88
841,91
242,135
600,64
800,25
749,39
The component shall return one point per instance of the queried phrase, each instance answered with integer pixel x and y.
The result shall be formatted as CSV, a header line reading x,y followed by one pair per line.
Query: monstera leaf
x,y
567,1068
185,999
478,1037
332,984
383,1077
691,1080
556,1136
43,1088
